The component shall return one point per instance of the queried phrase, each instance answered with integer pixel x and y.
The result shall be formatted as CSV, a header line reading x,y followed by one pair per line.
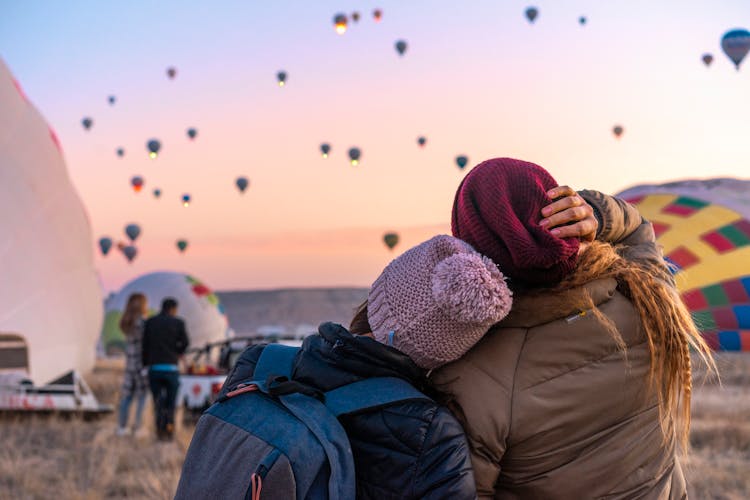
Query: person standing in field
x,y
164,341
134,382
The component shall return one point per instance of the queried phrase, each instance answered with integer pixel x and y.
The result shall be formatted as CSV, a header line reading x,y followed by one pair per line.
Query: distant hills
x,y
292,311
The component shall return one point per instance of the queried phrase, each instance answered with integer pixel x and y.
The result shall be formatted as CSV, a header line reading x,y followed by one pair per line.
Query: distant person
x,y
134,382
164,341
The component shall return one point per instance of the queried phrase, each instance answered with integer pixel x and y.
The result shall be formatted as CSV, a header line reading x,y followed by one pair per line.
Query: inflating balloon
x,y
401,47
242,183
191,133
390,240
325,148
133,231
171,73
137,183
105,244
186,200
130,252
736,44
582,20
354,155
111,99
618,130
377,14
157,193
531,14
339,23
281,77
707,59
182,245
153,147
421,140
120,152
462,161
87,122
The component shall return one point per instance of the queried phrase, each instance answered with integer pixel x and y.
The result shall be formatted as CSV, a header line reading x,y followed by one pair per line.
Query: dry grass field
x,y
43,458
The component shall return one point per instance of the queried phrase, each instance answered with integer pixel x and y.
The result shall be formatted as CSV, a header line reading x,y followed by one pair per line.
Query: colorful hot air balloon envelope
x,y
171,72
421,140
281,77
377,14
137,183
186,200
242,183
401,47
339,23
354,156
355,17
462,161
736,44
120,152
105,244
191,133
157,193
390,240
130,252
582,20
111,99
325,148
153,146
618,130
531,14
707,59
182,245
133,231
87,123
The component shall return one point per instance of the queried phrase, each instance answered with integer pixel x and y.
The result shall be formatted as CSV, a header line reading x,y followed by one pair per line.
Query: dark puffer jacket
x,y
408,450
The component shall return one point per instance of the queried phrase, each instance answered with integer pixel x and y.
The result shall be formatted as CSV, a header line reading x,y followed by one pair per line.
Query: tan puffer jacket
x,y
552,408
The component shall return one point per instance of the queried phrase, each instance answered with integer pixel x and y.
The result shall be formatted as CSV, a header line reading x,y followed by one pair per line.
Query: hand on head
x,y
569,216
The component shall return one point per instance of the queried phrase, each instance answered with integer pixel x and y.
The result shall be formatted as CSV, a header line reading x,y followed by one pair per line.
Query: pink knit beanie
x,y
436,300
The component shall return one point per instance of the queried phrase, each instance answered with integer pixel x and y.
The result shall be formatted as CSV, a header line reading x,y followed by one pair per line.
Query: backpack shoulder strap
x,y
370,394
276,359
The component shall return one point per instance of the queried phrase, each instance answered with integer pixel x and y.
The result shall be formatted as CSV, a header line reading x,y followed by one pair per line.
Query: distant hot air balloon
x,y
111,99
421,140
157,192
191,133
87,122
355,17
325,148
281,77
105,243
137,183
354,155
582,20
736,44
182,245
120,152
390,240
707,59
130,252
462,161
133,231
171,72
339,23
531,14
618,130
401,47
242,183
186,200
377,14
153,147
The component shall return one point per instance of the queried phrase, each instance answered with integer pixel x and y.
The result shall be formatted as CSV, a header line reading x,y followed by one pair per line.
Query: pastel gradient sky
x,y
477,79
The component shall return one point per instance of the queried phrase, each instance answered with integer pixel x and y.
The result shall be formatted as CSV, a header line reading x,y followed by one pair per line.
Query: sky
x,y
477,79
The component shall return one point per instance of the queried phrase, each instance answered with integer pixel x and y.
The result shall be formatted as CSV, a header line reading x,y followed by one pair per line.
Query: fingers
x,y
584,230
561,191
569,216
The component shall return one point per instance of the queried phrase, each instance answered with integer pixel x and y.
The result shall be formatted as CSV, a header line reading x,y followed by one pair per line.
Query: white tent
x,y
50,299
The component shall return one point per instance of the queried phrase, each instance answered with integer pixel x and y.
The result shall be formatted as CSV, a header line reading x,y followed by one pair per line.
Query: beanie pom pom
x,y
469,288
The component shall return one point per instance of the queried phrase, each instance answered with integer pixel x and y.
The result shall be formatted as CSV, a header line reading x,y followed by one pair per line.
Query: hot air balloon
x,y
157,192
582,20
421,140
111,99
153,146
171,72
130,252
325,148
242,183
377,14
281,77
618,130
120,152
186,200
105,244
137,183
401,47
87,122
390,240
133,231
354,155
704,229
531,14
339,23
736,44
462,161
191,133
182,245
355,17
707,59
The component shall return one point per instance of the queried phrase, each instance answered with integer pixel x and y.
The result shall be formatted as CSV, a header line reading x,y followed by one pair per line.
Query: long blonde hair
x,y
136,309
667,324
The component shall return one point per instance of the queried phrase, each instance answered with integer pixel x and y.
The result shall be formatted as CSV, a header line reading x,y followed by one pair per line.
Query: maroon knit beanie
x,y
497,210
